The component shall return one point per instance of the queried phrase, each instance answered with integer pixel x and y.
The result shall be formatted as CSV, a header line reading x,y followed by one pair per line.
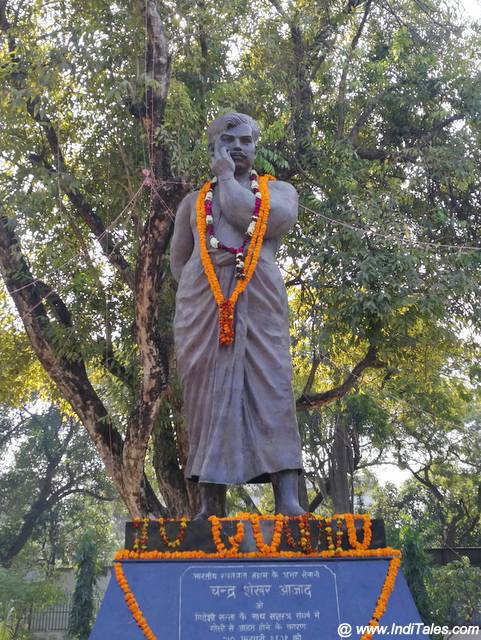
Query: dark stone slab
x,y
198,536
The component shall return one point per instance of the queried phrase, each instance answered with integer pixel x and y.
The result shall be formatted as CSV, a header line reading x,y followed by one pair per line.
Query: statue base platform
x,y
276,581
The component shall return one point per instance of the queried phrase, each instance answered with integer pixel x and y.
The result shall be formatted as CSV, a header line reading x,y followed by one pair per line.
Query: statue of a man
x,y
231,325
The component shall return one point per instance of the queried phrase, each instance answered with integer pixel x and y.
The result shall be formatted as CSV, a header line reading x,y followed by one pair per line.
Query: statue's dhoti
x,y
238,400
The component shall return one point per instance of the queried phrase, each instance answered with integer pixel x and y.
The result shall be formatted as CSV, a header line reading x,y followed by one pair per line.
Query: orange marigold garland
x,y
172,544
288,534
142,536
383,599
234,541
339,532
132,602
227,305
328,532
226,322
320,530
304,533
351,530
276,537
126,554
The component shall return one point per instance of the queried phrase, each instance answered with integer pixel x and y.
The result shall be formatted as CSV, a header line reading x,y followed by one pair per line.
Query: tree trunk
x,y
169,475
301,99
303,497
339,467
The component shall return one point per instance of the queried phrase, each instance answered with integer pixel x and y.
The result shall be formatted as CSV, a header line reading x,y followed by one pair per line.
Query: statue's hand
x,y
222,164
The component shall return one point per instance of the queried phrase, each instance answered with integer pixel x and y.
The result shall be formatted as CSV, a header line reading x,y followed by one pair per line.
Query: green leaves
x,y
369,418
83,604
268,161
17,597
66,468
416,568
455,593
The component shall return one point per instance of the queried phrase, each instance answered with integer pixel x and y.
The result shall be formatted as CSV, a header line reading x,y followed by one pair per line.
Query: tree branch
x,y
112,365
384,154
5,25
34,513
246,497
341,98
410,154
79,203
320,496
55,302
324,40
316,361
277,6
365,114
306,402
204,51
424,479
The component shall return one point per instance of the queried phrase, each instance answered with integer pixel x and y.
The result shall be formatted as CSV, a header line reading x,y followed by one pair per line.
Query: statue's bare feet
x,y
212,498
286,493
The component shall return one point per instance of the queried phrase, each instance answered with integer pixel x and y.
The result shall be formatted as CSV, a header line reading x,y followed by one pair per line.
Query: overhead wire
x,y
390,236
149,181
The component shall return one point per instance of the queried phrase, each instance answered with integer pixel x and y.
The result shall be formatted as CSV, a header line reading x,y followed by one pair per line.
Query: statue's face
x,y
240,145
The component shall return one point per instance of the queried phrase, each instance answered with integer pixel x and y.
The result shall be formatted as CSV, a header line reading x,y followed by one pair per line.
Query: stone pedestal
x,y
253,598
